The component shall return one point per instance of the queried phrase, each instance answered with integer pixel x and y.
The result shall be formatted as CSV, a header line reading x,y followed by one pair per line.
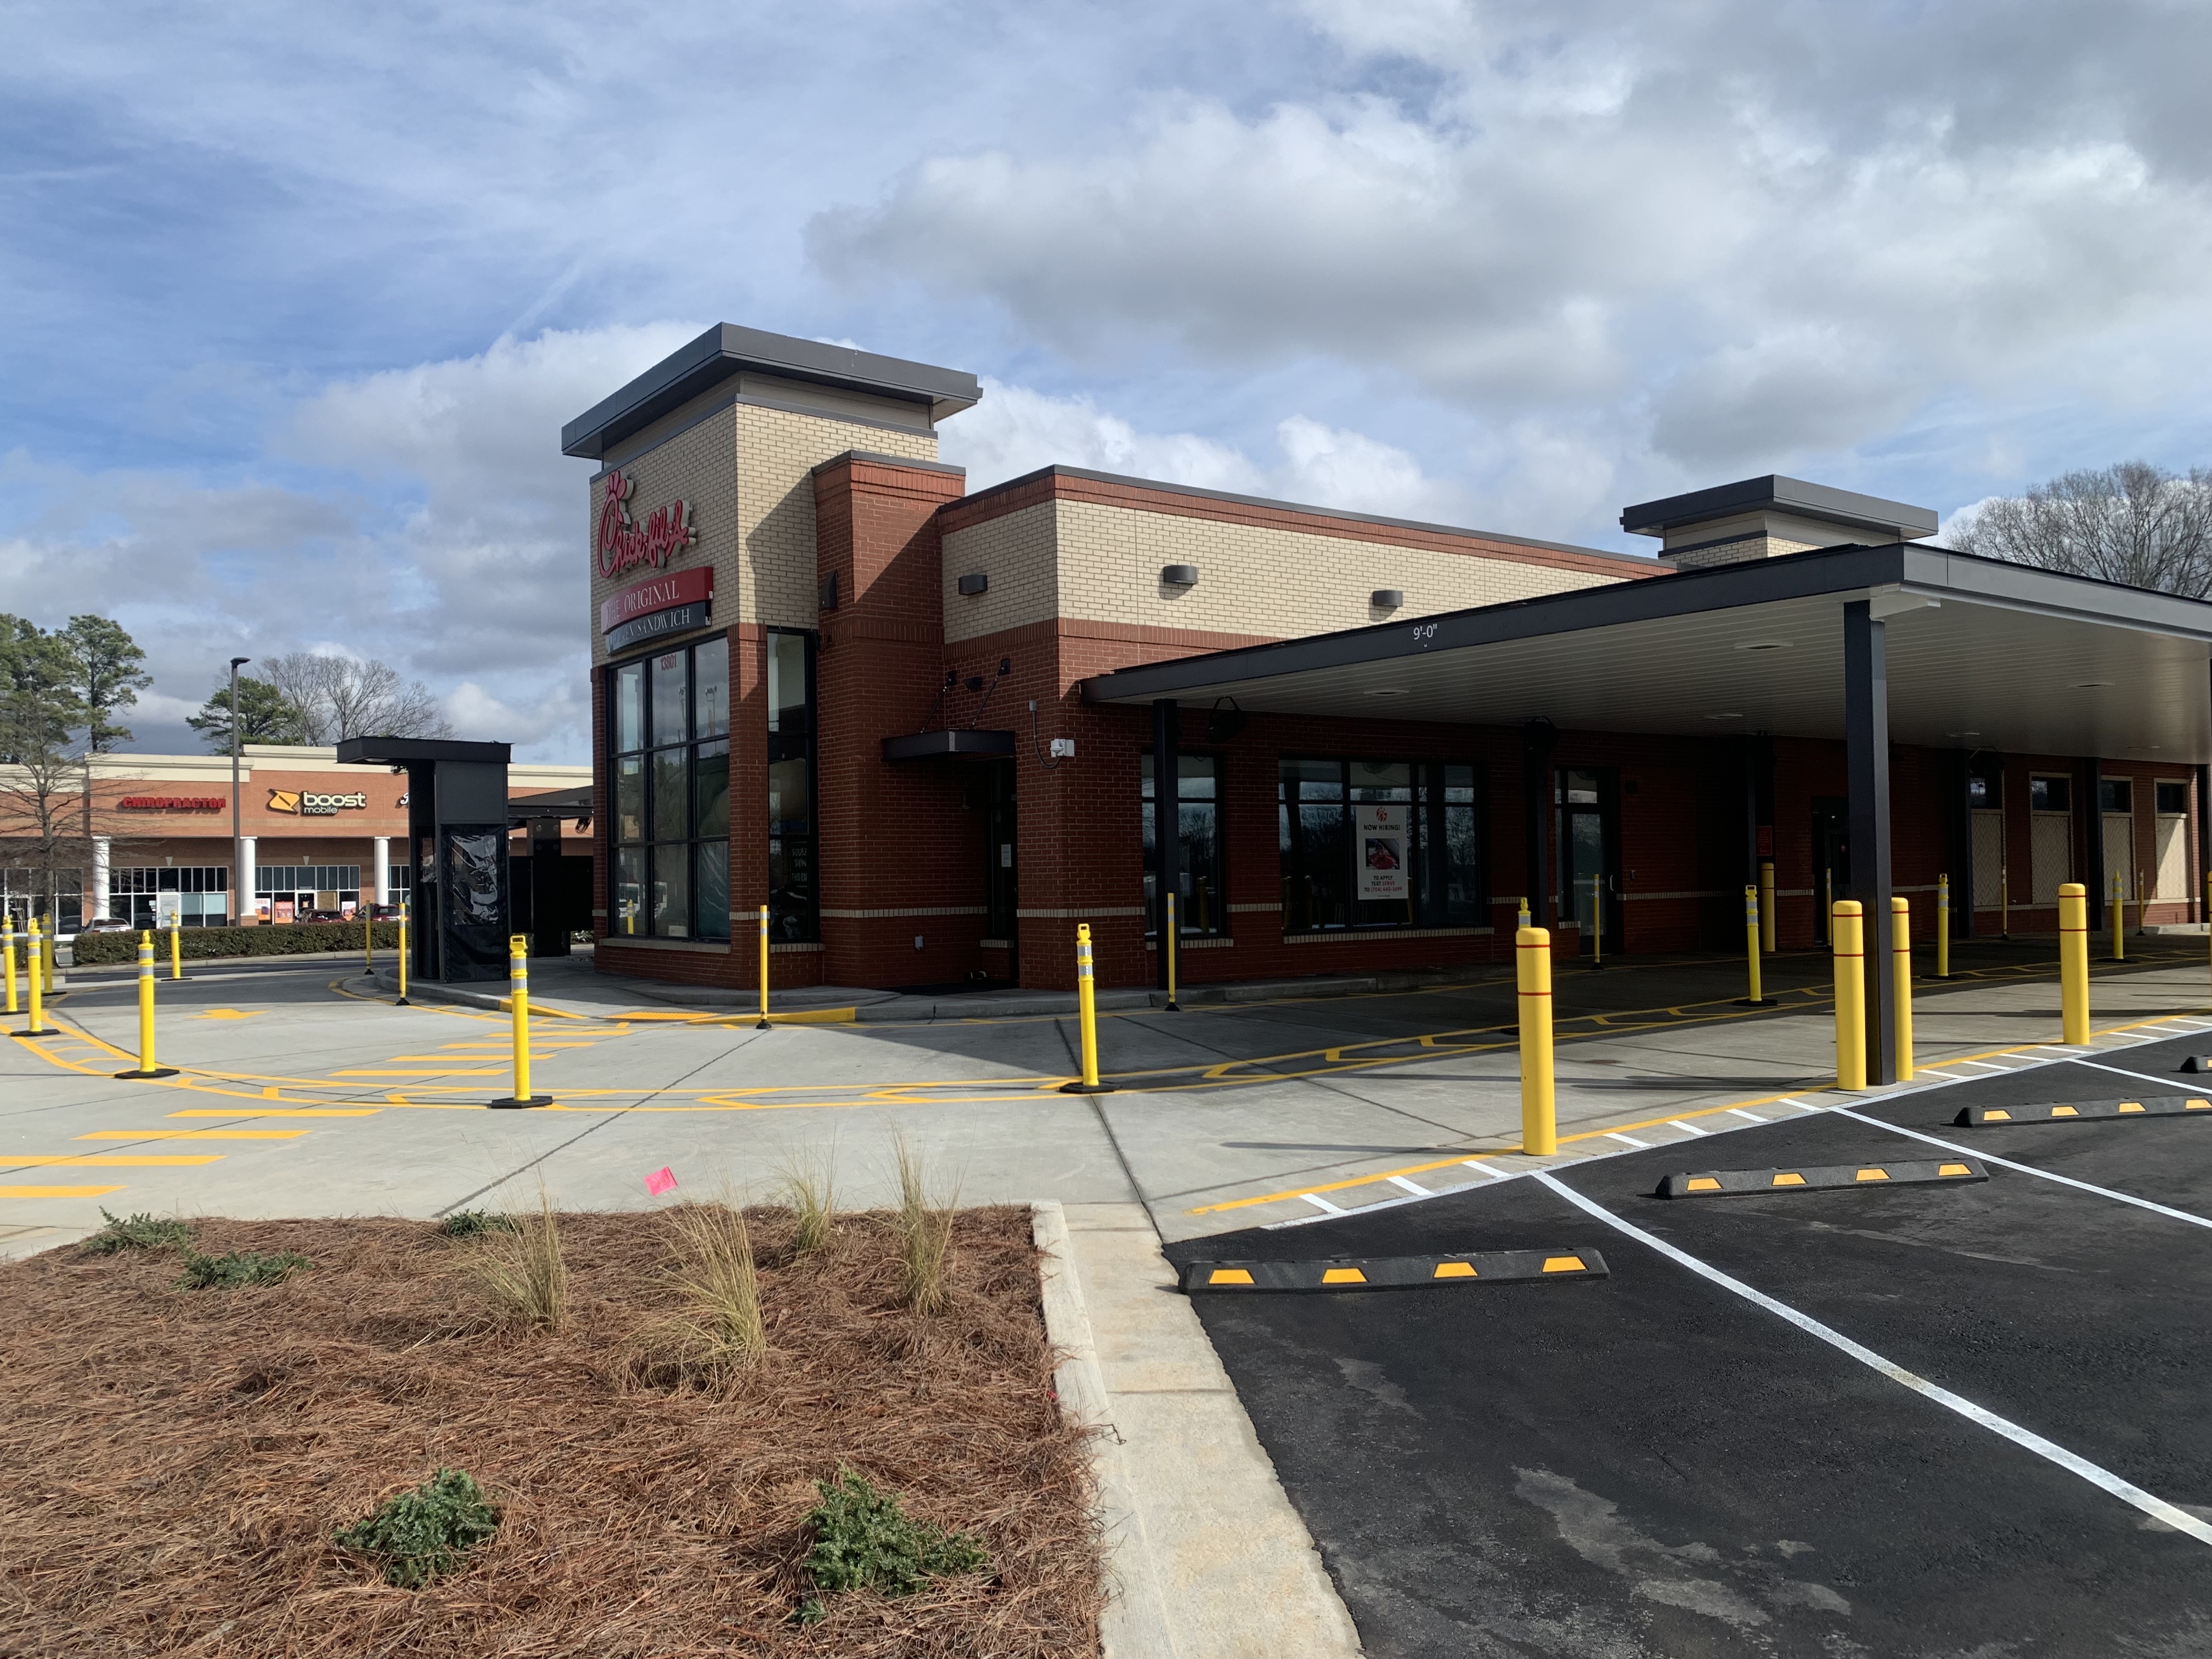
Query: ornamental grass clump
x,y
925,1230
717,1335
522,1270
137,1232
420,1535
863,1540
808,1188
235,1270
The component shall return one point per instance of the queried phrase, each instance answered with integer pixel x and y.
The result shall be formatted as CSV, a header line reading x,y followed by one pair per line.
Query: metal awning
x,y
1981,655
965,743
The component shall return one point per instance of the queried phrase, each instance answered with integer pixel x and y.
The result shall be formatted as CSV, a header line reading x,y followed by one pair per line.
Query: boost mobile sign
x,y
304,804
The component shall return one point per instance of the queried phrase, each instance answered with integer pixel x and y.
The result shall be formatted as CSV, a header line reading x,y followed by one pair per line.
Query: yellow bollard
x,y
1521,921
1900,959
35,947
2119,919
1847,929
146,1068
8,953
1086,1015
1766,914
1942,927
1540,1127
2074,963
518,1002
763,1024
1754,921
1171,942
176,950
403,956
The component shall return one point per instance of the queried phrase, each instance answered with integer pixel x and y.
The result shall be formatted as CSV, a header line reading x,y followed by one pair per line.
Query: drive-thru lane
x,y
1653,1464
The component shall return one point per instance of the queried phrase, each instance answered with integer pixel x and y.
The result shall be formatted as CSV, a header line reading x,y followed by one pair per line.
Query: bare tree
x,y
39,776
2135,523
340,698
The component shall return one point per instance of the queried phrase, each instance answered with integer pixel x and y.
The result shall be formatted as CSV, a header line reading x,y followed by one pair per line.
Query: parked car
x,y
104,925
326,916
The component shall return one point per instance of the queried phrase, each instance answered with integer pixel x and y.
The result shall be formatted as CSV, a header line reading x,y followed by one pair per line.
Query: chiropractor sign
x,y
619,543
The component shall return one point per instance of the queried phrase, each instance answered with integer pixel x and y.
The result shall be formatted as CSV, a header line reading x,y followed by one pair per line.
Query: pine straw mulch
x,y
174,1463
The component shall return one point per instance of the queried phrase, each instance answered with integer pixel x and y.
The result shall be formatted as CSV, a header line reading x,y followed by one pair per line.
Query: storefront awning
x,y
1981,655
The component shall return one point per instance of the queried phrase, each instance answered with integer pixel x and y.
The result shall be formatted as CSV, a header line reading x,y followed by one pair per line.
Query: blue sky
x,y
297,298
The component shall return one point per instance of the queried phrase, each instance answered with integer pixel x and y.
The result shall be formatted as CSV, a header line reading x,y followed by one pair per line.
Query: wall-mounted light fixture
x,y
828,596
1179,575
979,582
1386,598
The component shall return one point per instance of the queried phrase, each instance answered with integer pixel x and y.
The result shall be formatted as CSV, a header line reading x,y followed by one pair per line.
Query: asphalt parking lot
x,y
1653,1463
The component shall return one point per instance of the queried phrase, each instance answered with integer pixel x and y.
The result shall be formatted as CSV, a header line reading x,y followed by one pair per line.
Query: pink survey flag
x,y
659,1181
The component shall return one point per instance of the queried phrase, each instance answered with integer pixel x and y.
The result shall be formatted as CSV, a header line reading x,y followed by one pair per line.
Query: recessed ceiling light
x,y
1386,692
2091,685
1762,645
1723,717
1962,734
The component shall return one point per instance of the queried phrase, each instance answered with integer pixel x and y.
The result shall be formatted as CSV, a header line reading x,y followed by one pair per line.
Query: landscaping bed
x,y
620,1478
289,938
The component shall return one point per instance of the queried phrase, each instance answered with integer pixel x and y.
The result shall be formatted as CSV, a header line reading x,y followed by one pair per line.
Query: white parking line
x,y
1981,1065
1323,1204
1929,1071
2179,1519
1739,1112
2029,1169
1401,1181
1481,1168
1631,1140
1803,1107
1688,1129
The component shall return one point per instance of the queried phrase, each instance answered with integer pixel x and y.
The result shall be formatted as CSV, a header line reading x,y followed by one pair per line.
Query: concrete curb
x,y
1135,1621
1180,1470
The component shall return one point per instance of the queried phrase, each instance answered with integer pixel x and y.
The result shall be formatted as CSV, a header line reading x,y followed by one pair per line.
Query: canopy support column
x,y
1866,731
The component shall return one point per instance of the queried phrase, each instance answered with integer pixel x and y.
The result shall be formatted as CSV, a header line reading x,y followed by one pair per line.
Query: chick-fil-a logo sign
x,y
621,544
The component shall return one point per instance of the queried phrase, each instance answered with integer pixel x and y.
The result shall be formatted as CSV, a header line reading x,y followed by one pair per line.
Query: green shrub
x,y
415,1537
238,1268
864,1541
468,1224
198,944
137,1232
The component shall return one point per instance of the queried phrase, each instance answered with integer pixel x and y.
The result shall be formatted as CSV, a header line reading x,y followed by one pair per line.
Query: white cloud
x,y
1752,233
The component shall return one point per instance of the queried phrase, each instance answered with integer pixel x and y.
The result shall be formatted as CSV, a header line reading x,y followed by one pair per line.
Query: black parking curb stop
x,y
1897,1172
1396,1273
2197,1063
1981,1118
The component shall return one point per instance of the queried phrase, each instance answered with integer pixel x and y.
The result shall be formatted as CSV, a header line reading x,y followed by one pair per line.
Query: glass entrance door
x,y
1589,856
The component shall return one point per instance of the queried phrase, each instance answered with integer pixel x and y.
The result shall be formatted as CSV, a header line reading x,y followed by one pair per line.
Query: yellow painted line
x,y
108,1161
1383,1176
193,1135
448,1071
280,1111
231,1013
417,1071
56,1192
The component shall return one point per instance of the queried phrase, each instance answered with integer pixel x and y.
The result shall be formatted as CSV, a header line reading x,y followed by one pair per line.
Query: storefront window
x,y
295,892
1201,893
794,895
670,720
203,895
1371,843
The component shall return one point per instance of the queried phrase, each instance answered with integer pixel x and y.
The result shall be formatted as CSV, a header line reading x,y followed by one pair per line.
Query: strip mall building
x,y
923,725
316,836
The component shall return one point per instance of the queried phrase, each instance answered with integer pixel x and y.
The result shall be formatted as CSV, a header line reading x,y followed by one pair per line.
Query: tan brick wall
x,y
1083,559
776,453
1018,552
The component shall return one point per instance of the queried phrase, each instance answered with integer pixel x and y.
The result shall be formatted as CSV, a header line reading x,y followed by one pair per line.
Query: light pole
x,y
238,901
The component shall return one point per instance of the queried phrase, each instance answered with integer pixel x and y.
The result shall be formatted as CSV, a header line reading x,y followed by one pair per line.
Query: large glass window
x,y
669,717
1202,891
205,899
1375,843
793,893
